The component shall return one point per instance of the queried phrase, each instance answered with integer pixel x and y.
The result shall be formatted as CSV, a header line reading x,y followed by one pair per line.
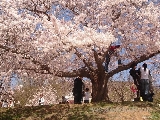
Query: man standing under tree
x,y
78,90
134,73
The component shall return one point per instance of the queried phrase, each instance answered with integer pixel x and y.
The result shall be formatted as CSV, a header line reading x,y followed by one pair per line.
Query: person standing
x,y
135,75
87,96
144,80
78,90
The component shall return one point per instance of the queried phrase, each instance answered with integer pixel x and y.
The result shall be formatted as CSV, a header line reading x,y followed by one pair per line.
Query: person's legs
x,y
138,88
107,62
86,101
138,93
75,98
146,85
79,98
119,62
106,67
142,90
145,89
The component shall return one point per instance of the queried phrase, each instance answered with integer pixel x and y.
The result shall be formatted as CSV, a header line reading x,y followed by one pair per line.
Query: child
x,y
11,104
64,100
5,104
134,91
41,100
86,95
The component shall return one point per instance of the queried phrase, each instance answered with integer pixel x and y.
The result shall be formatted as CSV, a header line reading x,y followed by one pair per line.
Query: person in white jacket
x,y
41,100
87,95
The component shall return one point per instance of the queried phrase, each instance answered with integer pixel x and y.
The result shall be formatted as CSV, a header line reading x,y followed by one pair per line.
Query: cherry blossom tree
x,y
35,40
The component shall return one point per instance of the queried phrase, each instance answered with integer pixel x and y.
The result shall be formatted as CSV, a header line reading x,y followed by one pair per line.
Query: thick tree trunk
x,y
100,89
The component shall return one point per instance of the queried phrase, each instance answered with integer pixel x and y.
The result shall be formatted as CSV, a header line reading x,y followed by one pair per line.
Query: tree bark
x,y
99,88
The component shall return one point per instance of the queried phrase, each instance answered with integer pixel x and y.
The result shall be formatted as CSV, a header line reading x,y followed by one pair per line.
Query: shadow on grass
x,y
38,112
72,112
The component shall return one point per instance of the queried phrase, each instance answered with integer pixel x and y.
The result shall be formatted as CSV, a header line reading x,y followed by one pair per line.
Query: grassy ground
x,y
95,111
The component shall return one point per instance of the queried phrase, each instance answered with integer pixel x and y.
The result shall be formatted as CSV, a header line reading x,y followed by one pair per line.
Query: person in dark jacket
x,y
78,90
135,75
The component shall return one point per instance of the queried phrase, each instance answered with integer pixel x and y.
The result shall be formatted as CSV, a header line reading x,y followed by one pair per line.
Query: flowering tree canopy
x,y
70,38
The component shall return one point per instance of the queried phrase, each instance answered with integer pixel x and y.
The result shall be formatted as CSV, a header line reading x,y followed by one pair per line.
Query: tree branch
x,y
12,50
98,61
43,67
82,72
84,61
125,67
41,71
38,12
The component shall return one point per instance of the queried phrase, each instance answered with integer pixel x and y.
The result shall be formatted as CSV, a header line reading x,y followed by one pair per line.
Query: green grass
x,y
96,111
